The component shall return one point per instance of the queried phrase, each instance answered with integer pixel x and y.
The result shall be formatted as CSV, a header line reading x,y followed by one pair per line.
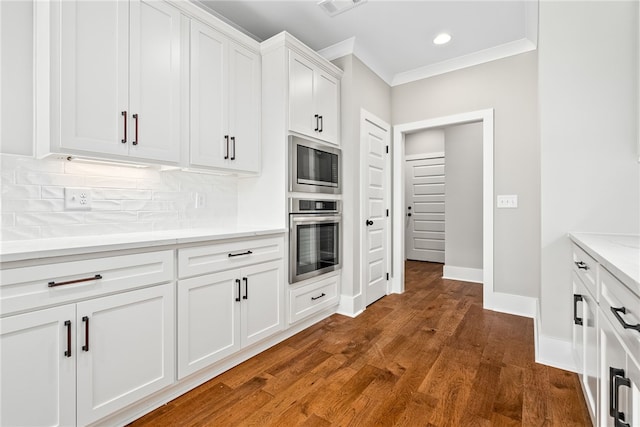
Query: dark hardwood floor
x,y
429,357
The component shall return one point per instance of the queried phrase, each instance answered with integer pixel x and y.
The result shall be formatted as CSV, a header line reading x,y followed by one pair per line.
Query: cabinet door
x,y
154,81
590,375
208,320
612,356
327,96
262,298
37,376
633,409
577,325
244,108
125,346
94,77
208,145
302,110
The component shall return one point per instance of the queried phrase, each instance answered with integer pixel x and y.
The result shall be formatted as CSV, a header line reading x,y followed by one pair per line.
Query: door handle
x,y
85,347
239,292
226,140
246,288
369,222
135,141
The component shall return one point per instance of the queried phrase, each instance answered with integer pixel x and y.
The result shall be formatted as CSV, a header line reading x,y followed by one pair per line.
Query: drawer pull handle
x,y
67,352
581,265
617,379
577,298
85,347
240,254
318,297
87,279
624,324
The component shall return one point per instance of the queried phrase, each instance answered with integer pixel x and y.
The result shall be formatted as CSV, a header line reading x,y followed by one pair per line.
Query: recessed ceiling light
x,y
442,38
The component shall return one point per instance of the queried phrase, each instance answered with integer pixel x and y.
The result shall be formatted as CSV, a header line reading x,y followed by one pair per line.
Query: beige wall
x,y
361,89
463,196
509,86
426,141
588,67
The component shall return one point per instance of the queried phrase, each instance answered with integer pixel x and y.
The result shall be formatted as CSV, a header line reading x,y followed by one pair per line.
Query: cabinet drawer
x,y
586,267
617,296
27,288
309,299
223,256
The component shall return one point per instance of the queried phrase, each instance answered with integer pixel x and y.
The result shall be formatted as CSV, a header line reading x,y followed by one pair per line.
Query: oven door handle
x,y
311,218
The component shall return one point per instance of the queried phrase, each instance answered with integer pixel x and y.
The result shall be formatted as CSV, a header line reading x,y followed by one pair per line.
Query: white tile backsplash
x,y
125,199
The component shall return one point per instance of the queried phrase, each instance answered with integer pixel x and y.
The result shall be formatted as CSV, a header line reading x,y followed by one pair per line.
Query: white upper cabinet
x,y
225,102
119,80
314,100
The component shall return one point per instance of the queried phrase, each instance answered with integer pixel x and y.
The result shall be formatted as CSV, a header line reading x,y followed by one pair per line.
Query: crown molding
x,y
351,47
487,55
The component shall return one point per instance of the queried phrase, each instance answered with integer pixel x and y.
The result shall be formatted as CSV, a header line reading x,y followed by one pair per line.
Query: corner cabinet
x,y
225,102
606,333
314,100
117,77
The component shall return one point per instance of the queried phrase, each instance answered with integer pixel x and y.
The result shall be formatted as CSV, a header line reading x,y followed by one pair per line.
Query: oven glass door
x,y
317,167
315,246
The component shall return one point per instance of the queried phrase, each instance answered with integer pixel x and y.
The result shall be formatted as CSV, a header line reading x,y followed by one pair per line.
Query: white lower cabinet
x,y
38,368
620,381
86,360
220,313
311,298
585,339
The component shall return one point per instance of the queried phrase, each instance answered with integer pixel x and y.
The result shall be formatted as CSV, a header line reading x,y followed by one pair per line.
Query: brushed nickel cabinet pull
x,y
69,282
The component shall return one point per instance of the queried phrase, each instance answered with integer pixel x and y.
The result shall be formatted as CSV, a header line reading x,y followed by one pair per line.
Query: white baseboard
x,y
555,352
350,305
464,274
511,304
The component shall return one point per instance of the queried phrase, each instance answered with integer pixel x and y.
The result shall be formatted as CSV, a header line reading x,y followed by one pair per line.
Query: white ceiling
x,y
394,38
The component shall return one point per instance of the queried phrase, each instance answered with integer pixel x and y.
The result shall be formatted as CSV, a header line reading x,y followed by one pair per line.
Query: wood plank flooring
x,y
429,357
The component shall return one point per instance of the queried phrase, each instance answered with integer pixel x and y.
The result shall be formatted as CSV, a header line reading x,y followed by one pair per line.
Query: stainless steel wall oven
x,y
313,167
314,237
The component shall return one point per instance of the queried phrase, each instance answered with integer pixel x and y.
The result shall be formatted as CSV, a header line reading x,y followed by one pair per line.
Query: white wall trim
x,y
487,55
434,155
339,49
350,306
511,304
484,116
555,352
464,274
552,351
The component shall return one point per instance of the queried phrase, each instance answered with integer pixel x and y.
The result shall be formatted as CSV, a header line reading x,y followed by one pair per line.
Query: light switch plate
x,y
508,201
77,198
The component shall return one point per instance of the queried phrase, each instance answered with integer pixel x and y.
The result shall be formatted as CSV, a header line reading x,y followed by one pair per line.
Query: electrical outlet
x,y
77,198
201,200
508,201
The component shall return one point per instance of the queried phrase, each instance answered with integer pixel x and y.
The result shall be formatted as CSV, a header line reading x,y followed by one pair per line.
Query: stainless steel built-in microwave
x,y
313,167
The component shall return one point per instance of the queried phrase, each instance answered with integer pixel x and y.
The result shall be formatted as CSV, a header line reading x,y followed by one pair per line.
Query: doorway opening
x,y
486,118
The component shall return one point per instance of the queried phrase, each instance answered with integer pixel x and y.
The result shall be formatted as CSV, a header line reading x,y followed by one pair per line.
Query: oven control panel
x,y
314,206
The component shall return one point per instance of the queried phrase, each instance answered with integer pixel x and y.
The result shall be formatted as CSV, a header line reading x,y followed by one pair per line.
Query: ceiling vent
x,y
336,7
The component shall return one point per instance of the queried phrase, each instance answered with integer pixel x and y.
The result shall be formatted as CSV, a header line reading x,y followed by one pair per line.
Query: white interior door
x,y
375,140
425,216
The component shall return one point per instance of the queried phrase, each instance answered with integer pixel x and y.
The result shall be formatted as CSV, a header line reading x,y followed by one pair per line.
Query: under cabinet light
x,y
103,162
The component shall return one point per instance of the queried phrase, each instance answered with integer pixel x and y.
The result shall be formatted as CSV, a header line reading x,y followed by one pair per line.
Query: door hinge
x,y
387,276
387,212
387,148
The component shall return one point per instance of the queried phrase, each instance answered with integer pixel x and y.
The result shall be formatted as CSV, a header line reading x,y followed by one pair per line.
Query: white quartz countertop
x,y
618,253
20,250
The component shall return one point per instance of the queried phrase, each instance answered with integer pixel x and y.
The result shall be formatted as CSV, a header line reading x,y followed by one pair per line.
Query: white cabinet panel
x,y
208,96
119,77
312,298
244,108
94,75
208,320
314,100
125,348
263,309
37,377
225,102
155,81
